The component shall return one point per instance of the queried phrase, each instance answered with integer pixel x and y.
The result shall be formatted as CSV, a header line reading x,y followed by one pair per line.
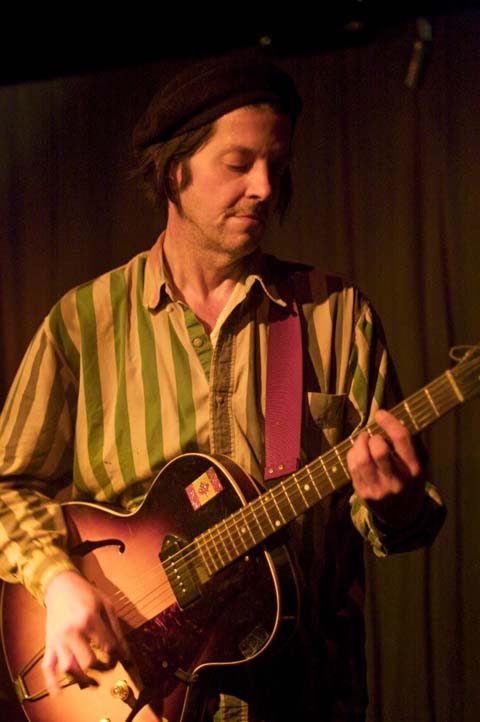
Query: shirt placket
x,y
221,392
199,339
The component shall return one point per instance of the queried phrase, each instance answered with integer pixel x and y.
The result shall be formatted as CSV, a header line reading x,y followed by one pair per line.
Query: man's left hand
x,y
386,473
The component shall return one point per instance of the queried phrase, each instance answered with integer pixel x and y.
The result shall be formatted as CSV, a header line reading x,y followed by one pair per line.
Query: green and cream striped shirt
x,y
121,378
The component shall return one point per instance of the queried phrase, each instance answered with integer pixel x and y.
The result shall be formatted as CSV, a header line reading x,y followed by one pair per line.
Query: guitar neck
x,y
257,521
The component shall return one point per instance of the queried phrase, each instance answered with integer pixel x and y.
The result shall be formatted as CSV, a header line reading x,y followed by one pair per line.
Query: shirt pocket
x,y
325,421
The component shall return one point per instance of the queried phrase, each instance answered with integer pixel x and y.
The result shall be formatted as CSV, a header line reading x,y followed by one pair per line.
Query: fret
x,y
204,549
288,495
234,543
432,402
401,416
442,394
326,472
274,499
411,416
339,457
313,486
262,500
216,542
241,543
421,411
221,536
453,383
243,529
253,506
305,487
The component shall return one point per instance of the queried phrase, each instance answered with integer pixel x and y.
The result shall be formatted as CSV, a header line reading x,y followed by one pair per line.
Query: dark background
x,y
42,43
387,191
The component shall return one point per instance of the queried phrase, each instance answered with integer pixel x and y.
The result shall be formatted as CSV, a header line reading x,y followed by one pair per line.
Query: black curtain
x,y
387,191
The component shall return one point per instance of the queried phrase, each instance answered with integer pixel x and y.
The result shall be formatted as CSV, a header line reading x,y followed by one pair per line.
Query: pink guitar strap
x,y
284,390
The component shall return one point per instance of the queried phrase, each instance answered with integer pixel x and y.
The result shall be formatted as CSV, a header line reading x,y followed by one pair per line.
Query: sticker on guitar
x,y
206,487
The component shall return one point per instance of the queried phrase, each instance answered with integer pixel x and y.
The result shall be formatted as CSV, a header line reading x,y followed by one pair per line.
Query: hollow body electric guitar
x,y
198,575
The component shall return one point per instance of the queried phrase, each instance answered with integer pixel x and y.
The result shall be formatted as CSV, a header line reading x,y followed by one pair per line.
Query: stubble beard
x,y
222,241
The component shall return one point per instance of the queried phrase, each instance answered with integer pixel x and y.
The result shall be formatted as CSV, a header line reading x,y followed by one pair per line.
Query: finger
x,y
364,472
102,659
359,455
382,455
59,663
394,474
374,469
401,440
104,649
106,638
360,461
49,667
69,665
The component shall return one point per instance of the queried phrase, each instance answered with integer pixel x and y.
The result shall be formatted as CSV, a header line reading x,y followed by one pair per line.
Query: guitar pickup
x,y
180,571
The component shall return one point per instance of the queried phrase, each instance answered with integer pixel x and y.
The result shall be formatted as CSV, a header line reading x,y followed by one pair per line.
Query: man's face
x,y
235,180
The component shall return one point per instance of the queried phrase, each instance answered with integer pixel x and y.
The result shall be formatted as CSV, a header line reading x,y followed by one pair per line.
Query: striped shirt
x,y
122,377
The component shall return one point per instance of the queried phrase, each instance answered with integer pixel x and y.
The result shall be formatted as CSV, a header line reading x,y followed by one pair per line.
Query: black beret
x,y
205,90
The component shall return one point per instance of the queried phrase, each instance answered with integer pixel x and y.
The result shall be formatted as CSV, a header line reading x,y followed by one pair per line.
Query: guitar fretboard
x,y
251,525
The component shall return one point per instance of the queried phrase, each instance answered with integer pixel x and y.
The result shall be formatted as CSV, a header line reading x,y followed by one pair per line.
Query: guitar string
x,y
151,597
428,406
182,556
277,504
272,502
163,586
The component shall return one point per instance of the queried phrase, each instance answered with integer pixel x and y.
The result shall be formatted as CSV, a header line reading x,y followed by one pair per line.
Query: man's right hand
x,y
83,631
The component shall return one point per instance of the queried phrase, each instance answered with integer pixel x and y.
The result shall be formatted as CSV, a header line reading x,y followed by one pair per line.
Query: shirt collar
x,y
259,271
158,288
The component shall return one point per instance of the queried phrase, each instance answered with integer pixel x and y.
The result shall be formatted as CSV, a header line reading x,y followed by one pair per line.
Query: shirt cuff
x,y
42,566
420,533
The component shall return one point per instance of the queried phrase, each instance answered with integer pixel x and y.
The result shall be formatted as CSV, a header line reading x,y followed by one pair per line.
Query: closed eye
x,y
237,168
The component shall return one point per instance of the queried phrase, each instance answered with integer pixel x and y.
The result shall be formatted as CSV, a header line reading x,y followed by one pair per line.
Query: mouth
x,y
248,217
248,222
255,217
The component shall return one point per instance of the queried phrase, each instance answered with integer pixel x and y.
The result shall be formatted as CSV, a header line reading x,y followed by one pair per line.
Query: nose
x,y
260,185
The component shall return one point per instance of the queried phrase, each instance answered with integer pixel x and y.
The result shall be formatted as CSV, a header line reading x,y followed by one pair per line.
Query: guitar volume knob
x,y
121,690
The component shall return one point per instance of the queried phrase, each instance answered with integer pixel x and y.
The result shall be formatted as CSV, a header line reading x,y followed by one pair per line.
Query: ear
x,y
172,179
175,174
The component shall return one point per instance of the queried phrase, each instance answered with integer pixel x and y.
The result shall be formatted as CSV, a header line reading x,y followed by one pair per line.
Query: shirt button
x,y
197,342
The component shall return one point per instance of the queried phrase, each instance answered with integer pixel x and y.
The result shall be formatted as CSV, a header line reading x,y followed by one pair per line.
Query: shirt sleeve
x,y
36,453
374,385
385,541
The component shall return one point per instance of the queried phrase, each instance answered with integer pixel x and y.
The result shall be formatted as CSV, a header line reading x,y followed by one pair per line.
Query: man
x,y
169,354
